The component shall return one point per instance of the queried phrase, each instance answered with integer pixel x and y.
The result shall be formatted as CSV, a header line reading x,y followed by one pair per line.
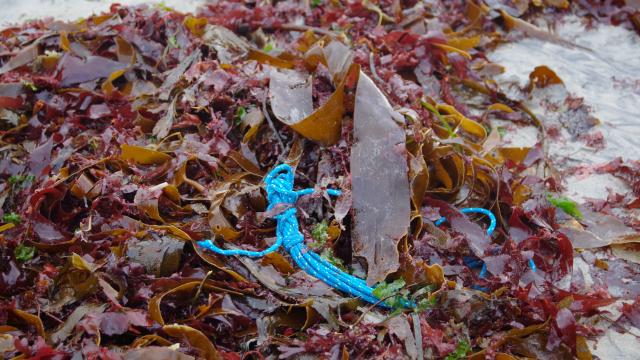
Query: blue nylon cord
x,y
490,230
279,186
492,218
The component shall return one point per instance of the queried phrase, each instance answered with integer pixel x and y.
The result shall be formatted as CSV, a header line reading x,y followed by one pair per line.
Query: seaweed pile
x,y
130,135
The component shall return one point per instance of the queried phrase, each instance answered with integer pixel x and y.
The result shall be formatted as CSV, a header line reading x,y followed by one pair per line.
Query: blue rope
x,y
492,218
279,186
490,230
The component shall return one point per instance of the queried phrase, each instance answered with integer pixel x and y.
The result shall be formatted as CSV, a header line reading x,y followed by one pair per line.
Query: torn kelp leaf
x,y
380,186
164,125
66,329
597,230
75,70
25,56
294,100
176,73
159,257
228,46
291,95
40,157
338,57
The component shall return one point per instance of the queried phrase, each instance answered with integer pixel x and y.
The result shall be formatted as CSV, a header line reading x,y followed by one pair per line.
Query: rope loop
x,y
492,218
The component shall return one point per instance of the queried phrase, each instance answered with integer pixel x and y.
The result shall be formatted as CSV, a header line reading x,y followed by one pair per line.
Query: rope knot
x,y
279,186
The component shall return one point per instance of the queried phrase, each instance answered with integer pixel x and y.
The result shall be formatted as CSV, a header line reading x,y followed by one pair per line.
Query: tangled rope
x,y
279,185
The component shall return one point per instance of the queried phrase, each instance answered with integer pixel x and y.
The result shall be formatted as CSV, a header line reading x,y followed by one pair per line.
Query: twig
x,y
53,317
201,285
376,304
369,308
372,67
304,28
619,326
273,128
381,14
339,319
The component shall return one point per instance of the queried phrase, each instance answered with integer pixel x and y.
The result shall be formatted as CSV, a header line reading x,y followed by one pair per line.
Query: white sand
x,y
20,10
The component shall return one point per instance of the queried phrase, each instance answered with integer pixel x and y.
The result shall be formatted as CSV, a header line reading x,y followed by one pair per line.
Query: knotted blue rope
x,y
279,186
